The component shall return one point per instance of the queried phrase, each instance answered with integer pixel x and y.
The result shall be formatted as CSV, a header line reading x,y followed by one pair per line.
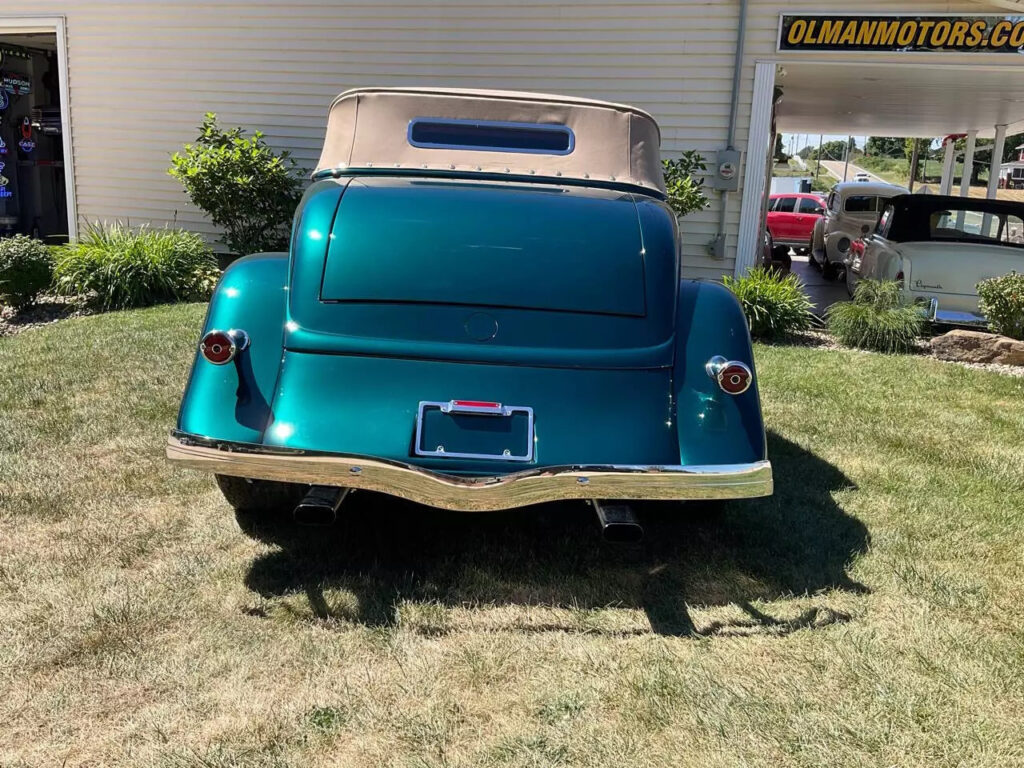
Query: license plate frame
x,y
474,408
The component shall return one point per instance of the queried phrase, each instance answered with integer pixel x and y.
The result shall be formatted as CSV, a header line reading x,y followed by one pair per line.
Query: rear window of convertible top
x,y
493,136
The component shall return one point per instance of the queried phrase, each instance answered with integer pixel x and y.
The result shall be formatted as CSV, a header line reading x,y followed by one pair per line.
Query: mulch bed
x,y
49,309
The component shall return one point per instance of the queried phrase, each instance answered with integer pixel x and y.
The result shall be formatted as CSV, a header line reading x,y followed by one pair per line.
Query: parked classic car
x,y
940,248
790,222
852,211
481,309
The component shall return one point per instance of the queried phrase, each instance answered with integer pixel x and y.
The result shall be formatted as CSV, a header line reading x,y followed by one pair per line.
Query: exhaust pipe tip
x,y
320,505
623,533
618,523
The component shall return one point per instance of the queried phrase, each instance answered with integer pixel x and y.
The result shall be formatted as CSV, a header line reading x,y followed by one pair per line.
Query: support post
x,y
996,161
946,184
748,246
914,162
968,172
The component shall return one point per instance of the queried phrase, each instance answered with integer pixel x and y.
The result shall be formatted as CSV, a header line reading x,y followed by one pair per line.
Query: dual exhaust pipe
x,y
321,503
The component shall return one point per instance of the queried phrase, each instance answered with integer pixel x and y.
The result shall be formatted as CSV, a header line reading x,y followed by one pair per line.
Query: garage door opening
x,y
35,199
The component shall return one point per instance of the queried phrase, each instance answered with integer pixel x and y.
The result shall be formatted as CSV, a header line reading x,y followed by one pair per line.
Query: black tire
x,y
829,270
260,497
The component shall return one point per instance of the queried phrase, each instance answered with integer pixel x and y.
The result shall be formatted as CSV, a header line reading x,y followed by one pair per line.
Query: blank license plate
x,y
473,429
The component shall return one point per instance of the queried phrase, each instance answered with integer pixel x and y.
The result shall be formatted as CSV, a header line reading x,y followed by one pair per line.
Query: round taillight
x,y
732,376
220,347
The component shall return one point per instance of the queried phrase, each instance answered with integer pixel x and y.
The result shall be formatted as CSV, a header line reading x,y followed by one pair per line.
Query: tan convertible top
x,y
372,128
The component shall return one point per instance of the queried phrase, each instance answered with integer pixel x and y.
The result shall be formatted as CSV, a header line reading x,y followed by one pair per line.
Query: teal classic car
x,y
480,310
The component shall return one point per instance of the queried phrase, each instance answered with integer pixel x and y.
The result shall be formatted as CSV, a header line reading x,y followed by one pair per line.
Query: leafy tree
x,y
885,146
242,185
923,146
832,150
684,183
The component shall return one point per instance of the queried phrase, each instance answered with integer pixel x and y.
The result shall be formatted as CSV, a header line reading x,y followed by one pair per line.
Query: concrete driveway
x,y
822,293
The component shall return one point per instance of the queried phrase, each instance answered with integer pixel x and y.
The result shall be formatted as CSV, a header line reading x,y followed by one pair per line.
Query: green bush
x,y
26,269
775,305
683,183
877,318
242,185
1002,303
125,268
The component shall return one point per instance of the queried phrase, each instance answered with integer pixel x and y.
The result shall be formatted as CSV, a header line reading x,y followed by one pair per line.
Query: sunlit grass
x,y
867,614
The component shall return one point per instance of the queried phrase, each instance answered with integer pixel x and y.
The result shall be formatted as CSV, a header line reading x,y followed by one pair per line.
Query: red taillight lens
x,y
732,376
220,347
899,277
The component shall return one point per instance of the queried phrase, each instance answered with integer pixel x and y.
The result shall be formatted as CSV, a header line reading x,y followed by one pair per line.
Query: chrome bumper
x,y
950,317
472,494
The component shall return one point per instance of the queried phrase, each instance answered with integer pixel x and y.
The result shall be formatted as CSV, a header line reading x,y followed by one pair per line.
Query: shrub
x,y
1002,303
242,185
26,269
775,305
125,268
683,183
877,318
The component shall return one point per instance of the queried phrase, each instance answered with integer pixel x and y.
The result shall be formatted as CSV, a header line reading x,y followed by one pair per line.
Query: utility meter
x,y
727,170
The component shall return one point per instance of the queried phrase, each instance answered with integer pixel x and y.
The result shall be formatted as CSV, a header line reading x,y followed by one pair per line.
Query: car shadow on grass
x,y
386,551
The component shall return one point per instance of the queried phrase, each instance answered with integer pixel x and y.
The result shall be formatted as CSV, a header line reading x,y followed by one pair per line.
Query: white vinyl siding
x,y
142,74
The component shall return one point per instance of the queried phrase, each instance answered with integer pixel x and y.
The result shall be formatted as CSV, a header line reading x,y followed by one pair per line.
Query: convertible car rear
x,y
939,248
480,310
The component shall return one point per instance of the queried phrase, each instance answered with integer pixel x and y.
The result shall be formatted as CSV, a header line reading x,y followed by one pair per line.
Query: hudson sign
x,y
959,34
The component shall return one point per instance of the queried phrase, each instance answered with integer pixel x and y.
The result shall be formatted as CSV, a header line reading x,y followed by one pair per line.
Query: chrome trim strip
x,y
472,494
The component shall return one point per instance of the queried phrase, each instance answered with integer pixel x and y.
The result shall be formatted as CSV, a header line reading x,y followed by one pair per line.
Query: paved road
x,y
835,167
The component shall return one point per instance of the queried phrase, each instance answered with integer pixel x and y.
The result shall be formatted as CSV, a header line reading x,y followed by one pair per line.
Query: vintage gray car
x,y
852,211
939,248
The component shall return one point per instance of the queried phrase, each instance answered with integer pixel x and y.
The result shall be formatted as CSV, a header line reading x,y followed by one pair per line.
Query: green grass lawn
x,y
869,614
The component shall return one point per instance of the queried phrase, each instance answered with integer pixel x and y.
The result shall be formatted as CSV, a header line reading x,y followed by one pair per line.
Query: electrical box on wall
x,y
725,171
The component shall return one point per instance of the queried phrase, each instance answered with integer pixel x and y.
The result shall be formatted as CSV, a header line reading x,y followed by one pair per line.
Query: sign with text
x,y
925,34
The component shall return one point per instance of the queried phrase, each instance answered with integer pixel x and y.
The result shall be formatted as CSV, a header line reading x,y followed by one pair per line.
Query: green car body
x,y
406,293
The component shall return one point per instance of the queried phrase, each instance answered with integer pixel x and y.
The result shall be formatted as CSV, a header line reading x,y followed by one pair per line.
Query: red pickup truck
x,y
791,220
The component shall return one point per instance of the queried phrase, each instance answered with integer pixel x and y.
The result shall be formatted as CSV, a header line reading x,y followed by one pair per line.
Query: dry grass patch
x,y
867,614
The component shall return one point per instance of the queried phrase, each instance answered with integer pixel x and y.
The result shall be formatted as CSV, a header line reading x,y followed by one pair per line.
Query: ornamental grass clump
x,y
118,267
1002,304
26,269
877,318
775,305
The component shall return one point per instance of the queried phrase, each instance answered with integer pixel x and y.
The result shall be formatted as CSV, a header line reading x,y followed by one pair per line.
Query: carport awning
x,y
907,99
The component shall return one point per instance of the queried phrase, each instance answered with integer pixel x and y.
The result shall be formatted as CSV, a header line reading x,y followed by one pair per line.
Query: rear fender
x,y
232,401
713,427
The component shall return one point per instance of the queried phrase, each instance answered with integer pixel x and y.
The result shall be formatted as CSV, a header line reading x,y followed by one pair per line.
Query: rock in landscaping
x,y
978,347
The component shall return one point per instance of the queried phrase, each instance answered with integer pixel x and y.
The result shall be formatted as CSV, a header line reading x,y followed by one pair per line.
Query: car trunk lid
x,y
507,272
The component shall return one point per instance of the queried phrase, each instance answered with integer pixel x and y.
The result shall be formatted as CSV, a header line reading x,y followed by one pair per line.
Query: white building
x,y
1011,174
133,79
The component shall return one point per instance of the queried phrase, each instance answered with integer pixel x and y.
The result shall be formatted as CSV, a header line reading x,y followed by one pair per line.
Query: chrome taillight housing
x,y
220,347
732,376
